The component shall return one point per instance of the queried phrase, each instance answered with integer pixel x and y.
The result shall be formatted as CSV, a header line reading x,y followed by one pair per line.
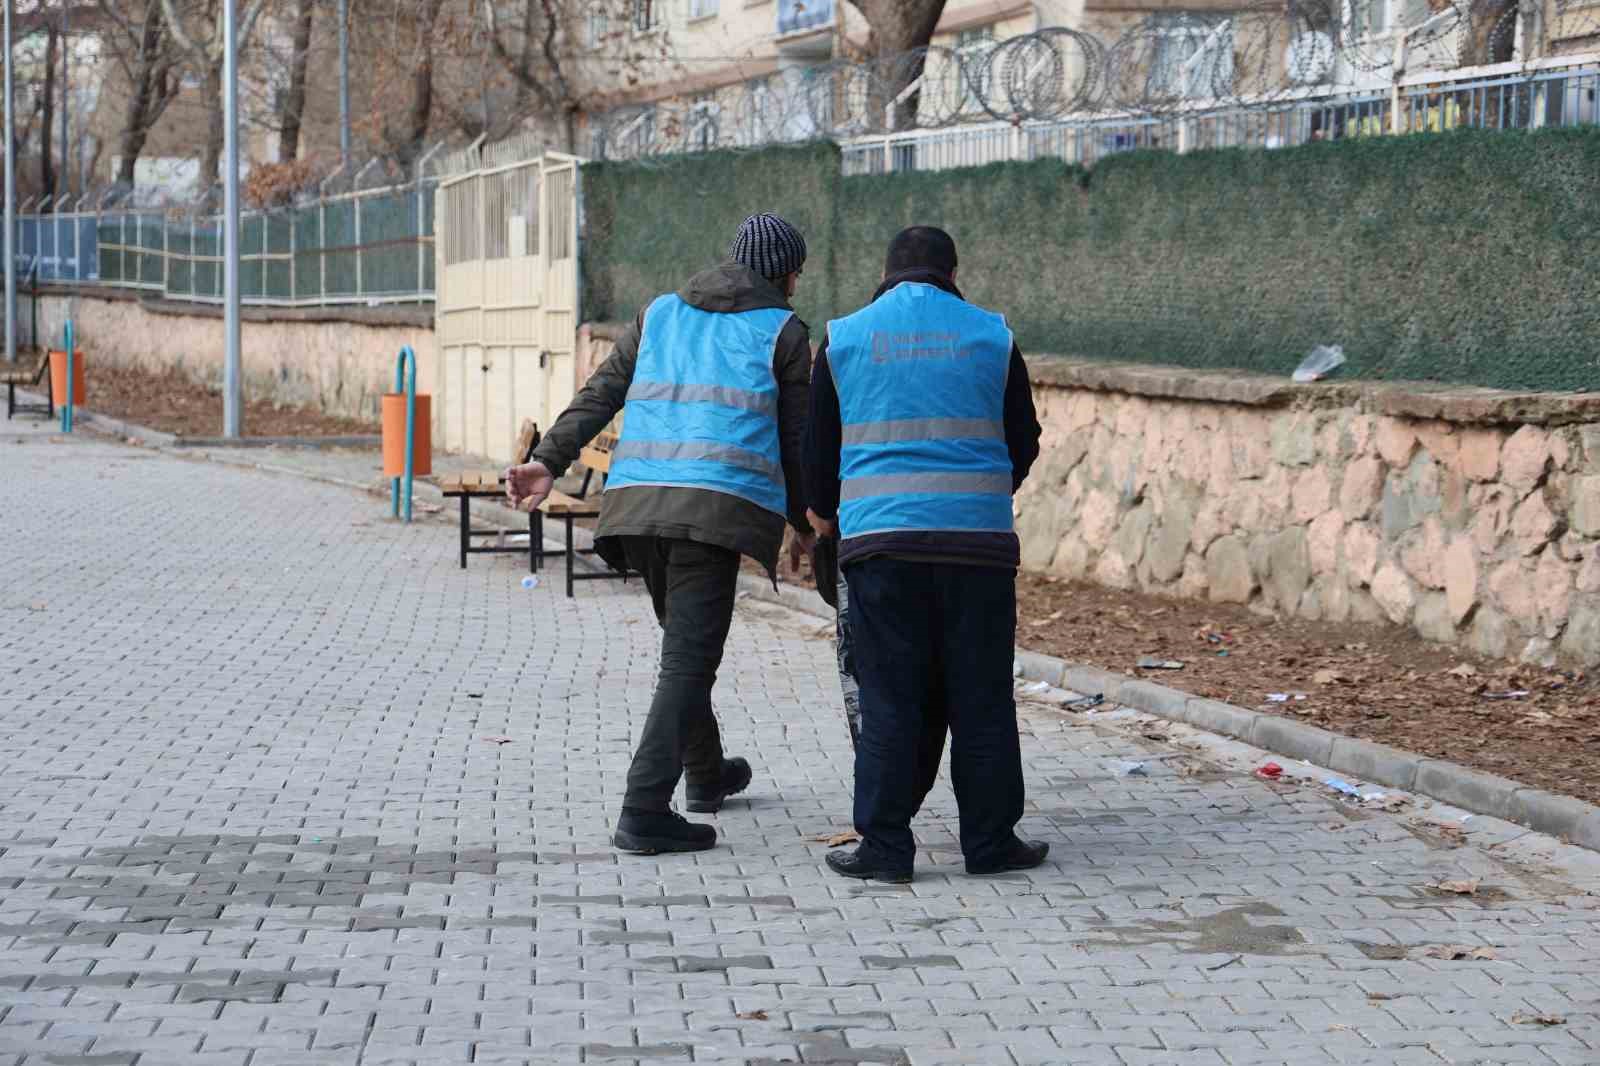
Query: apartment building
x,y
758,71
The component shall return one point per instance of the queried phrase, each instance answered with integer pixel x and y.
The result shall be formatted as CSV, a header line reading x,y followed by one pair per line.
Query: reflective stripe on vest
x,y
702,411
921,376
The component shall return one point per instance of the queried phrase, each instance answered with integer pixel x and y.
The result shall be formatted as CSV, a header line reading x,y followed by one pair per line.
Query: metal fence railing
x,y
1561,91
59,246
364,247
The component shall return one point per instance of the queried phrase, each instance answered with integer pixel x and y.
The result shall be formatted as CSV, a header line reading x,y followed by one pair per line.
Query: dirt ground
x,y
1541,727
1374,682
172,403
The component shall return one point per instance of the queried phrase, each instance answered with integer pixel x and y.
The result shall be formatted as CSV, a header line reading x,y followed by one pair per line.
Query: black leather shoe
x,y
866,868
1022,855
653,832
707,799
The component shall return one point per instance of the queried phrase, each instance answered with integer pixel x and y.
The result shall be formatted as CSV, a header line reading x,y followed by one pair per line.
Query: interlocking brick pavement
x,y
249,816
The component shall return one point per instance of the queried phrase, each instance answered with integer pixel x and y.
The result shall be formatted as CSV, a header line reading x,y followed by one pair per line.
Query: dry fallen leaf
x,y
1459,888
1327,677
834,840
1451,832
1463,670
752,1015
1542,1018
498,740
1453,952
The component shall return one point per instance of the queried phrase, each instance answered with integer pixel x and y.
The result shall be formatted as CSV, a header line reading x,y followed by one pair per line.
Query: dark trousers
x,y
935,720
692,587
916,626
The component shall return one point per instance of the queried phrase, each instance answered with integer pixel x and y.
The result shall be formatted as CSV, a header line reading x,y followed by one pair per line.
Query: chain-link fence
x,y
365,246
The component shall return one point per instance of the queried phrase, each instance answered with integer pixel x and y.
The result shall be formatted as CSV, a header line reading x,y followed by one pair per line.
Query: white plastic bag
x,y
1323,360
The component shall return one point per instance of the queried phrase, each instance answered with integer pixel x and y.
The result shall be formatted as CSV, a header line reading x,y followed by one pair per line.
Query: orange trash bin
x,y
394,436
58,378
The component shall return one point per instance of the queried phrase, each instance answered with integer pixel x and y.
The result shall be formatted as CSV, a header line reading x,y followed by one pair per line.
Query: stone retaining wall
x,y
338,359
1465,515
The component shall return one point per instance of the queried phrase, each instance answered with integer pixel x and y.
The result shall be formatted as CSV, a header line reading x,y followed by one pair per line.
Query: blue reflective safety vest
x,y
921,376
702,411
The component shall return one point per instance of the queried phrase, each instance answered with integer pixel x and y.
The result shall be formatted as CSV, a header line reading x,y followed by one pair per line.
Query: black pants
x,y
915,626
692,587
935,718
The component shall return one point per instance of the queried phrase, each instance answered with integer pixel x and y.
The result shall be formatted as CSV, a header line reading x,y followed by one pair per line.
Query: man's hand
x,y
823,526
527,485
800,546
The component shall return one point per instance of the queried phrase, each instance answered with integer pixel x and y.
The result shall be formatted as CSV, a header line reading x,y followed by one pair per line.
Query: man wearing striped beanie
x,y
771,247
716,379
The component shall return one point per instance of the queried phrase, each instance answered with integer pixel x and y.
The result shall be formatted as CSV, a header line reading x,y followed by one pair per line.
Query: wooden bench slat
x,y
472,481
561,503
22,373
523,446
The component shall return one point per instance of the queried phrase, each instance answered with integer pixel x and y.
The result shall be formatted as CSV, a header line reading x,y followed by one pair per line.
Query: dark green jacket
x,y
694,514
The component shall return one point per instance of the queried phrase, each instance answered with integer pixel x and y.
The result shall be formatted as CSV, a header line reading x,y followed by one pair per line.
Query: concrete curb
x,y
359,441
118,428
104,424
423,491
1545,812
1559,816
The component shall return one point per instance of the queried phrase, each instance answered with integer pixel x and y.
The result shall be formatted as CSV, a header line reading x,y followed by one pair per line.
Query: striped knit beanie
x,y
769,246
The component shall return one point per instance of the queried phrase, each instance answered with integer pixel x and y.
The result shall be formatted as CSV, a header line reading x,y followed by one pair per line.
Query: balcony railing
x,y
798,16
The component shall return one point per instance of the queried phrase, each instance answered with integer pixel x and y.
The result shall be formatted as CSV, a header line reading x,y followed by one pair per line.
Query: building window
x,y
1375,18
646,15
703,123
597,26
702,9
973,50
1193,56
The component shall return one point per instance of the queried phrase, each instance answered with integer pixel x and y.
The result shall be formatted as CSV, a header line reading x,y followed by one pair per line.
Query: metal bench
x,y
469,485
30,374
596,460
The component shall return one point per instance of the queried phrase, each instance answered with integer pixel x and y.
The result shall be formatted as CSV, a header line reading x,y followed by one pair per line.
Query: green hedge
x,y
649,226
1466,257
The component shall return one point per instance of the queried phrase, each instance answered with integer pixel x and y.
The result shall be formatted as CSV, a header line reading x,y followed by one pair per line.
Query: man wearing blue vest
x,y
708,469
921,427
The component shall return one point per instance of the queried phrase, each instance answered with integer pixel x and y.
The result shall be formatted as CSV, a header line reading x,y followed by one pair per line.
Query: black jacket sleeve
x,y
823,439
1022,421
596,404
792,367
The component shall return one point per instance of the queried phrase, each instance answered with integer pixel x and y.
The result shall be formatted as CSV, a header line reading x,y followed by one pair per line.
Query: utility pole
x,y
344,82
232,415
11,204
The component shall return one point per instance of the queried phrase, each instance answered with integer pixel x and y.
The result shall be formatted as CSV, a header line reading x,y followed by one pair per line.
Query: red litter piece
x,y
1271,771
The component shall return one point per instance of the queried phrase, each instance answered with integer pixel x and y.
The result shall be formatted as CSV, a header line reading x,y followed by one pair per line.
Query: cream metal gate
x,y
506,313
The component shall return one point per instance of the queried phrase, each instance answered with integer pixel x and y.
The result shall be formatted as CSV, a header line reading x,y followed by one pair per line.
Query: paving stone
x,y
249,817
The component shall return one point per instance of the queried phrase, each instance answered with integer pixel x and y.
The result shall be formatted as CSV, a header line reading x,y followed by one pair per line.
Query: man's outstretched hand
x,y
800,546
527,485
823,526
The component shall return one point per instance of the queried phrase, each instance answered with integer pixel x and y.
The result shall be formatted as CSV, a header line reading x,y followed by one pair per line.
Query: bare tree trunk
x,y
211,158
1490,34
900,26
294,103
47,166
406,141
152,90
